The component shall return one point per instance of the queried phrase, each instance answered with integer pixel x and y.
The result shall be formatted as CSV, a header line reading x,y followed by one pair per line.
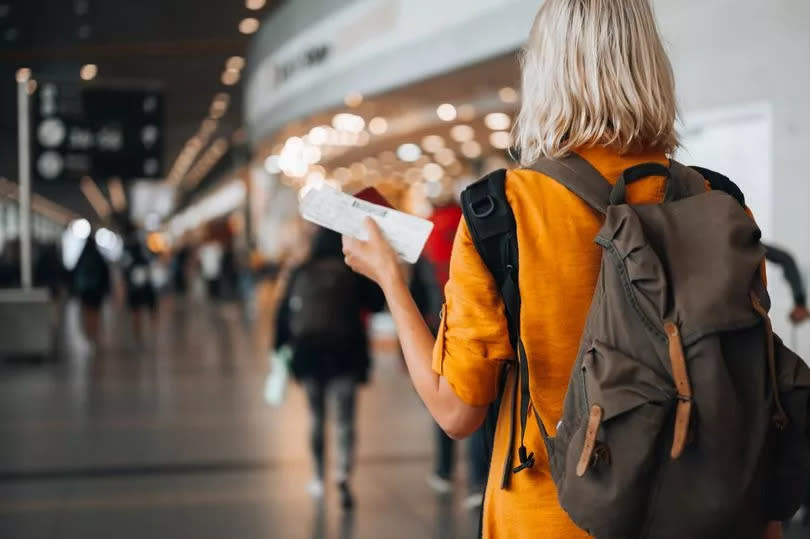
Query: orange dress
x,y
559,265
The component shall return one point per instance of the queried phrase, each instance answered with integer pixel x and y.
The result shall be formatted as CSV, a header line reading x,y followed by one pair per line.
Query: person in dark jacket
x,y
141,293
322,317
785,260
91,283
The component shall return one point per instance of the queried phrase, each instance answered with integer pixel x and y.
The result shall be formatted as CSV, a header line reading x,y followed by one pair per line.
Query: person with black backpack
x,y
91,283
623,295
322,317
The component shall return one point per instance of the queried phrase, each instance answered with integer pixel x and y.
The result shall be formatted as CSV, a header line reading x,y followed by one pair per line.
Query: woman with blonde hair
x,y
597,83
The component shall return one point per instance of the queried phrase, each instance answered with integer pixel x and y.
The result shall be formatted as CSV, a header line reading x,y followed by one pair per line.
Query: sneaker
x,y
346,498
473,501
315,488
440,484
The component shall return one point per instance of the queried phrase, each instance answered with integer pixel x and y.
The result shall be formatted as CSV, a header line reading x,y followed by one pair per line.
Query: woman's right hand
x,y
375,258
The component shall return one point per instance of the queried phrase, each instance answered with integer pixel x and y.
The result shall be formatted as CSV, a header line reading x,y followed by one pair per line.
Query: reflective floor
x,y
172,439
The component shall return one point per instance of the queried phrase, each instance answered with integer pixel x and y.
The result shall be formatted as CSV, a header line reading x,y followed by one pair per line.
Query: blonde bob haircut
x,y
595,73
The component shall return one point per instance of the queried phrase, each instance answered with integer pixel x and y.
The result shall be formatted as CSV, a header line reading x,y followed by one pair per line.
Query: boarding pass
x,y
345,214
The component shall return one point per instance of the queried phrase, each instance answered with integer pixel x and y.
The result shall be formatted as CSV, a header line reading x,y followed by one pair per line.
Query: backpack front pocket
x,y
611,454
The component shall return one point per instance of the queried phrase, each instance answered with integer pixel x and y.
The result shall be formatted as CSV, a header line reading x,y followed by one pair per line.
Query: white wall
x,y
735,53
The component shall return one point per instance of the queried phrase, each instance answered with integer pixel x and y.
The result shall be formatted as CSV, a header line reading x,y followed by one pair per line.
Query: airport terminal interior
x,y
154,156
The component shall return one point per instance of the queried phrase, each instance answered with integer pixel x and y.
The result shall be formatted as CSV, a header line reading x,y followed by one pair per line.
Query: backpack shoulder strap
x,y
579,177
492,226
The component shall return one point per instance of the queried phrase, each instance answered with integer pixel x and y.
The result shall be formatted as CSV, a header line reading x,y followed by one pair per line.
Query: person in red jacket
x,y
430,275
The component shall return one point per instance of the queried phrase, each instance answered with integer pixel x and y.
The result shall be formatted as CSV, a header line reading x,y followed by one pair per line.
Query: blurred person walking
x,y
141,293
598,101
91,283
322,317
429,277
799,313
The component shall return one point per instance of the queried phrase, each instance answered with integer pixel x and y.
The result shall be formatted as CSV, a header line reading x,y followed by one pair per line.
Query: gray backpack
x,y
685,416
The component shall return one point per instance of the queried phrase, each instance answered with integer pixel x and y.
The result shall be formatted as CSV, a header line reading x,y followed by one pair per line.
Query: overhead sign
x,y
81,130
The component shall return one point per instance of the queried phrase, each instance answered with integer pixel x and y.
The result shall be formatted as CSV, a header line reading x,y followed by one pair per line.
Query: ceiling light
x,y
88,71
230,77
350,123
508,95
207,128
432,143
462,133
445,156
294,143
498,121
255,4
446,112
23,74
432,172
471,149
353,99
409,152
311,155
219,106
466,113
500,140
249,25
81,228
318,135
235,62
433,189
378,126
342,174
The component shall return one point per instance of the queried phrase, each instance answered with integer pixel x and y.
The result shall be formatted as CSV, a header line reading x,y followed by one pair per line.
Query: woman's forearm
x,y
377,260
457,418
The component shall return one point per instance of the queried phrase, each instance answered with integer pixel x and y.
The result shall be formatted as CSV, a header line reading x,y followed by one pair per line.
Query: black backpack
x,y
323,301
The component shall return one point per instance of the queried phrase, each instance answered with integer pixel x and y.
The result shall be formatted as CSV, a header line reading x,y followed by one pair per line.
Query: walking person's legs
x,y
441,480
477,468
345,392
316,397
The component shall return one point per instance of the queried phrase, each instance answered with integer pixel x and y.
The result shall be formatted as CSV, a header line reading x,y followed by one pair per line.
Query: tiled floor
x,y
174,440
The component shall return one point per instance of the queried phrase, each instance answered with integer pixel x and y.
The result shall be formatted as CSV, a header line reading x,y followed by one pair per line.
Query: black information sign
x,y
81,130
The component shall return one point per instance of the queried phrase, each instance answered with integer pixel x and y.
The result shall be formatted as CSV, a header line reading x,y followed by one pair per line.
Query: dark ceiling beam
x,y
128,50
